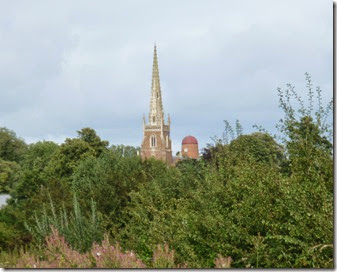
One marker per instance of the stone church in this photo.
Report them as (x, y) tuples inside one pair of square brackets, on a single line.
[(156, 132)]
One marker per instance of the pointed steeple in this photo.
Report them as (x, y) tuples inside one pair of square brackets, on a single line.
[(156, 133), (156, 114)]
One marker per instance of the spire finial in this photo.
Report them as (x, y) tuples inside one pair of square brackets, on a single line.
[(155, 49)]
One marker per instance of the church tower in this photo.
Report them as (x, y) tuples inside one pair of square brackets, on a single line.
[(156, 134)]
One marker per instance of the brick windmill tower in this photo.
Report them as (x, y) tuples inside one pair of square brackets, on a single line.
[(156, 134)]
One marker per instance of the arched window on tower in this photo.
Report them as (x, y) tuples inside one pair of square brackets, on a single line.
[(153, 119), (153, 141)]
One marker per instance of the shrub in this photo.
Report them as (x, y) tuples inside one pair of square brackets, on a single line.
[(80, 231), (223, 262), (109, 256), (163, 257), (58, 254)]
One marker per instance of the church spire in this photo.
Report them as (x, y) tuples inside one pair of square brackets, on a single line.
[(156, 114), (156, 134)]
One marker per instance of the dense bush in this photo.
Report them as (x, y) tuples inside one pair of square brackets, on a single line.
[(10, 173), (12, 148)]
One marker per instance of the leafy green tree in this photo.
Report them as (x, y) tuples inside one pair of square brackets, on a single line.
[(46, 169), (8, 237), (208, 152), (73, 151), (307, 132), (260, 146), (68, 157), (38, 152), (12, 148), (220, 145), (108, 180), (89, 136), (12, 232), (151, 216), (34, 169), (10, 173)]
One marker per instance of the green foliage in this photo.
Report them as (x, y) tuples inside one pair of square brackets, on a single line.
[(12, 148), (34, 169), (154, 208), (79, 231), (68, 157), (38, 155), (46, 169), (12, 233), (10, 173), (307, 132), (8, 237), (8, 259), (111, 176), (255, 147), (261, 147), (89, 136), (70, 154), (211, 152), (163, 257), (242, 205)]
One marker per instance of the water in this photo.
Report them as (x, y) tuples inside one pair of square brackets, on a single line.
[(3, 199)]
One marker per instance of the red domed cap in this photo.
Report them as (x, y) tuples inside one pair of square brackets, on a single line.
[(189, 140)]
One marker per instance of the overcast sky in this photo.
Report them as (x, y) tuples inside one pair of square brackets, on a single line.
[(65, 65)]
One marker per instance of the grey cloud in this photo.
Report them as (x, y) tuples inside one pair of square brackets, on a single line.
[(69, 64)]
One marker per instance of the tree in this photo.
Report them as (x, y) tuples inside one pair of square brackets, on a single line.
[(9, 175), (34, 169), (89, 136), (220, 145), (307, 133), (108, 180), (259, 146), (12, 148), (64, 162)]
